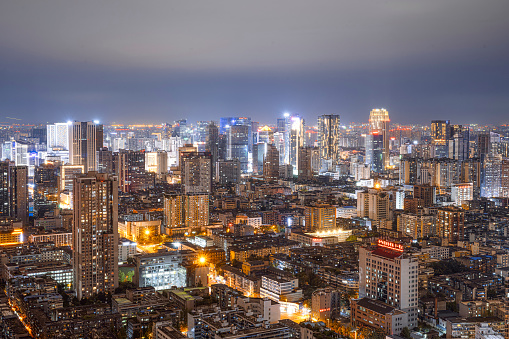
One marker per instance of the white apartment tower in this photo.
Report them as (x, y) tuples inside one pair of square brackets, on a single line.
[(388, 274)]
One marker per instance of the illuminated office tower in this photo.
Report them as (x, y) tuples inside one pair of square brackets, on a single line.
[(259, 153), (156, 162), (196, 172), (46, 188), (265, 134), (450, 223), (226, 122), (279, 142), (84, 139), (212, 144), (320, 217), (295, 141), (4, 188), (328, 137), (377, 140), (491, 176), (238, 145), (95, 234), (440, 135), (271, 164), (504, 173), (375, 151), (459, 143), (388, 274), (58, 136)]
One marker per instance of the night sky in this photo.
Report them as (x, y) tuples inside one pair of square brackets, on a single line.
[(158, 61)]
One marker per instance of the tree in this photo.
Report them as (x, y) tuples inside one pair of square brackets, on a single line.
[(405, 333)]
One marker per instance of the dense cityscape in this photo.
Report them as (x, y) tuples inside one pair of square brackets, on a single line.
[(243, 229), (226, 169)]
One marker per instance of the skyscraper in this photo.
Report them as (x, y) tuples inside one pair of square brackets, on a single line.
[(84, 138), (196, 172), (328, 137), (238, 145), (378, 125), (271, 164), (295, 132), (95, 234), (440, 135), (18, 199), (212, 144), (4, 188), (459, 143), (58, 136)]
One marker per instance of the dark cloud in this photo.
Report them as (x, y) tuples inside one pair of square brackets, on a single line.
[(158, 61)]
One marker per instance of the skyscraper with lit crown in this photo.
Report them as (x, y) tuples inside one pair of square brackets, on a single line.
[(378, 126)]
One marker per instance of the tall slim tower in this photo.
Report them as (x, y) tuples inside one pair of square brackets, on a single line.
[(18, 201), (328, 137), (95, 234), (83, 144), (379, 125)]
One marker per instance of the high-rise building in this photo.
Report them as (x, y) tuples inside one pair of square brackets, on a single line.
[(58, 136), (304, 169), (259, 154), (491, 176), (504, 186), (379, 125), (226, 122), (426, 193), (46, 188), (375, 205), (104, 161), (388, 274), (295, 141), (18, 199), (4, 188), (450, 223), (238, 145), (228, 171), (320, 217), (156, 162), (440, 135), (271, 164), (375, 151), (459, 143), (84, 138), (95, 234), (483, 144), (189, 212), (416, 226), (462, 193), (130, 169), (196, 172), (328, 137), (212, 144)]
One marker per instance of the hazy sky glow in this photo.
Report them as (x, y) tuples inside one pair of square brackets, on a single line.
[(158, 61)]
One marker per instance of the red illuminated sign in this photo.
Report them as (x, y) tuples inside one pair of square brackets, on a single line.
[(390, 245)]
